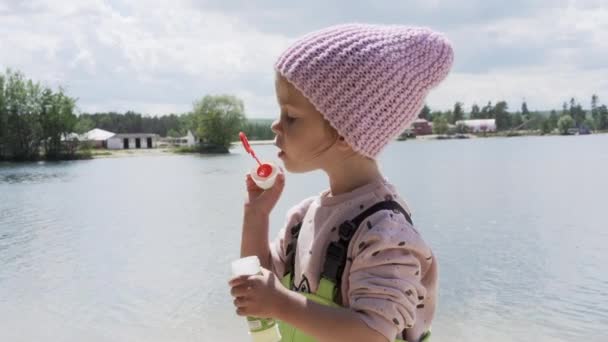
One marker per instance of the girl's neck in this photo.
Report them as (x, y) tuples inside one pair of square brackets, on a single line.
[(352, 173)]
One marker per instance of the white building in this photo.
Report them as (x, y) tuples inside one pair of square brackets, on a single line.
[(188, 140), (132, 141), (97, 137), (479, 125)]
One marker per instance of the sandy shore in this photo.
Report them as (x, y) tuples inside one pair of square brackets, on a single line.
[(131, 153)]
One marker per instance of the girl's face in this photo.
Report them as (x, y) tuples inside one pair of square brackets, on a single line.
[(306, 139)]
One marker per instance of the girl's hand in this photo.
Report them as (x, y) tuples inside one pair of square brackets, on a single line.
[(260, 296), (263, 201)]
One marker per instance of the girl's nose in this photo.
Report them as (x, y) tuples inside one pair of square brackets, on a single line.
[(276, 126)]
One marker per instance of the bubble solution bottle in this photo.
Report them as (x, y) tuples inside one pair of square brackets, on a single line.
[(260, 329)]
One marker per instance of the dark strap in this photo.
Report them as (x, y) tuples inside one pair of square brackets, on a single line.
[(384, 205), (290, 252), (336, 256)]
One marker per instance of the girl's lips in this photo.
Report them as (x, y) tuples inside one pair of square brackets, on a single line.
[(281, 152)]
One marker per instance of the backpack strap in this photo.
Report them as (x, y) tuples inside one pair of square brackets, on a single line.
[(336, 256), (290, 253)]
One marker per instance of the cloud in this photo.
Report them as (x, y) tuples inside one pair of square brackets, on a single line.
[(160, 53), (545, 59), (542, 88), (158, 56)]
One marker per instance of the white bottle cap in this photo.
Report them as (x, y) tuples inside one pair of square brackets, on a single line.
[(246, 266), (265, 182), (269, 335)]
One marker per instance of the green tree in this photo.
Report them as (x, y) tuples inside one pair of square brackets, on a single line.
[(517, 121), (132, 122), (174, 133), (546, 127), (594, 101), (219, 119), (535, 123), (258, 129), (602, 117), (440, 125), (599, 114), (22, 106), (552, 121), (84, 124), (3, 119), (577, 113), (503, 118), (449, 116), (487, 112), (475, 112), (462, 128), (57, 120), (425, 113), (435, 114), (565, 109), (565, 123), (33, 119), (458, 113), (525, 113), (590, 124)]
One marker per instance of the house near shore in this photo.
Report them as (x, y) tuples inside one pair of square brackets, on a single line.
[(189, 140), (479, 125), (126, 141), (100, 138), (96, 137), (422, 127)]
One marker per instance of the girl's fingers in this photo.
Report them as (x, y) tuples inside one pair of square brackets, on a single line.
[(241, 302), (240, 291), (236, 281), (251, 186), (276, 189)]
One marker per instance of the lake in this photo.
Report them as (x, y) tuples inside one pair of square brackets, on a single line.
[(139, 248)]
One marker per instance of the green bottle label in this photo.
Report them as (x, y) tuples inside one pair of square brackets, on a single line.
[(260, 324)]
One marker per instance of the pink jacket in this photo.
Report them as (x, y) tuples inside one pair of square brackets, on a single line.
[(390, 277)]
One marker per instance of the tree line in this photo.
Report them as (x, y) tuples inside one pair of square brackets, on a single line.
[(37, 121), (34, 120), (572, 115), (173, 125)]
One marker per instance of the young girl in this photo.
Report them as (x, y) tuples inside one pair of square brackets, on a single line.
[(348, 265)]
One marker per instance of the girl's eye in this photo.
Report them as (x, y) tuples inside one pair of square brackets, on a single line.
[(289, 119)]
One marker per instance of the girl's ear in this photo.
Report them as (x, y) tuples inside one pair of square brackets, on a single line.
[(341, 144)]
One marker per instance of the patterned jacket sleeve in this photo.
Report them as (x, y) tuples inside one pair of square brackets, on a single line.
[(279, 246), (389, 259)]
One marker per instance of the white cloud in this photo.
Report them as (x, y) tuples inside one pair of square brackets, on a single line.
[(160, 56), (541, 87), (98, 52), (560, 53)]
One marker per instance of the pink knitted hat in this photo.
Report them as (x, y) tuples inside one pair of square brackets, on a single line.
[(369, 81)]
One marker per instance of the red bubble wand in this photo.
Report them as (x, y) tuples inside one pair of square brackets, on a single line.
[(264, 170)]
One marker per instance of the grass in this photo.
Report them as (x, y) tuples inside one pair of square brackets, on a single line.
[(185, 149)]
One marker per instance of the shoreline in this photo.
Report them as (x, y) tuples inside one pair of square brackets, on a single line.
[(105, 153)]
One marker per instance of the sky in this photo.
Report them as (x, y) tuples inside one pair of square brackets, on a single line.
[(158, 57)]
